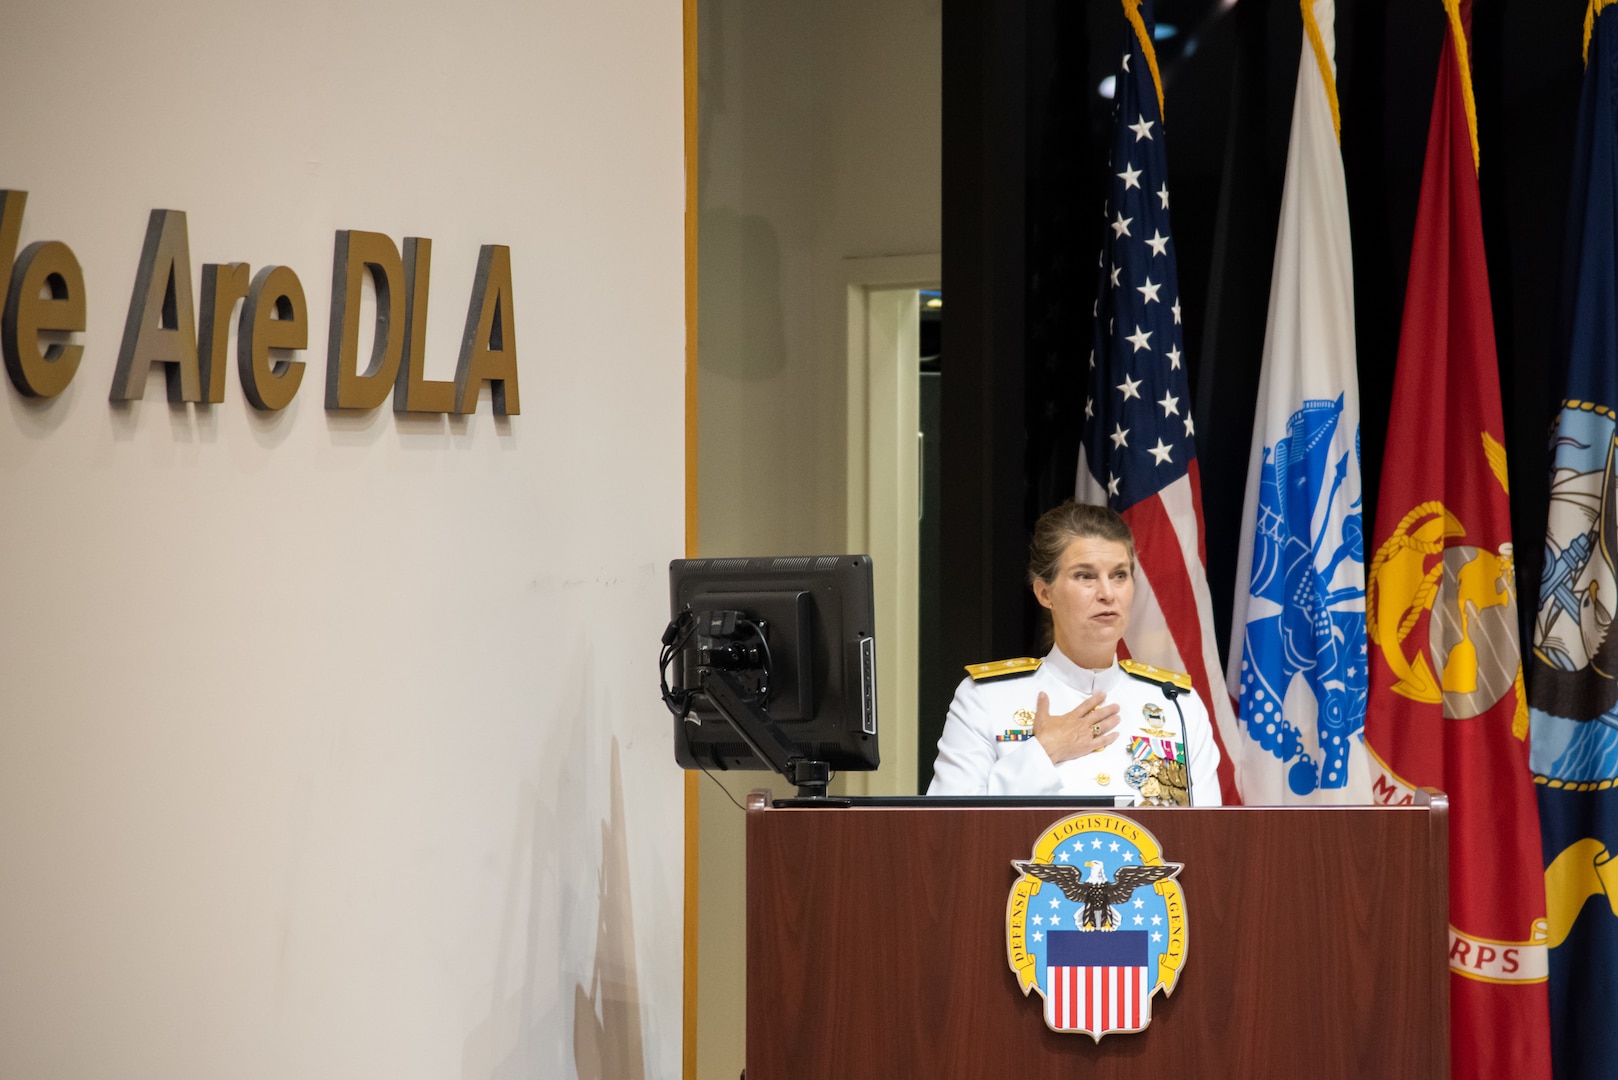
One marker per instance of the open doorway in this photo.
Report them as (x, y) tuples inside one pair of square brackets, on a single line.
[(887, 449)]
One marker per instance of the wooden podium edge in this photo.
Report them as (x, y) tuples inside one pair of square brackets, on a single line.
[(1437, 804)]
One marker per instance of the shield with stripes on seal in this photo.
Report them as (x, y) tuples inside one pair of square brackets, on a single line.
[(1096, 924)]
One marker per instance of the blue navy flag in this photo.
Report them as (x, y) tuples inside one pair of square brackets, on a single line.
[(1572, 694), (1139, 450)]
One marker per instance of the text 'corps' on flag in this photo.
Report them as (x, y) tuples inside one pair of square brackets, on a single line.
[(1447, 707), (1139, 449)]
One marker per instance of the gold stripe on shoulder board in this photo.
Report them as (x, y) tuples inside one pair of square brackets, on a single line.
[(1155, 674), (994, 669)]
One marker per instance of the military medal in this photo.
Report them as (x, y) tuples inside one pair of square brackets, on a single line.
[(1024, 730)]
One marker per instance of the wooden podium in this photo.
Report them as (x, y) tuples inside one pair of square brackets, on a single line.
[(876, 946)]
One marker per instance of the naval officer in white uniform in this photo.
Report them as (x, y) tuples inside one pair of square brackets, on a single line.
[(1079, 722)]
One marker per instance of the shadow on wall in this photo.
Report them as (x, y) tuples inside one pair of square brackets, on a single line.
[(518, 1039), (739, 296), (606, 1014)]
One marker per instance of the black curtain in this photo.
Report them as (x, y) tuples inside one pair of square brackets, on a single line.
[(1024, 170)]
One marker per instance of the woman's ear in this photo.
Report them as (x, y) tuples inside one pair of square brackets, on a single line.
[(1042, 592)]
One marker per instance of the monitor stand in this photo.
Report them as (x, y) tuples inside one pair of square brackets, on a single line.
[(763, 736)]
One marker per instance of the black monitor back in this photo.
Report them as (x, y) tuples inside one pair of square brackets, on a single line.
[(819, 618)]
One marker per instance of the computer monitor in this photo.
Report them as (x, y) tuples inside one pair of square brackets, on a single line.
[(770, 663)]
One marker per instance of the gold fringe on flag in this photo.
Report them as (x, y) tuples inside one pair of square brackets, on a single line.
[(1132, 13), (1590, 14), (1464, 61), (1318, 43)]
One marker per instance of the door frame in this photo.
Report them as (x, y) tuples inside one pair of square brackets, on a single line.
[(884, 486)]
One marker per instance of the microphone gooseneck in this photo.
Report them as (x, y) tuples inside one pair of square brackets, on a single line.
[(1173, 693)]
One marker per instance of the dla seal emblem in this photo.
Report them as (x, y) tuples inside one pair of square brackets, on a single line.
[(1096, 924)]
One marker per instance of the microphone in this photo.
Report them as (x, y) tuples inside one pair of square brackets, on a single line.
[(1173, 692)]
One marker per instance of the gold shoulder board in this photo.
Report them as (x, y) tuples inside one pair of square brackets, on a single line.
[(1157, 675), (995, 669)]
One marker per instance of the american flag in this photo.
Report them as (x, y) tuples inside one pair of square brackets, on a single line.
[(1097, 982), (1139, 450)]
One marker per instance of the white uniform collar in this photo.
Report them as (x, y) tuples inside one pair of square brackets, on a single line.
[(1082, 679)]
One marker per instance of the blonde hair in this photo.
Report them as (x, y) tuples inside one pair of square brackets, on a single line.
[(1059, 527)]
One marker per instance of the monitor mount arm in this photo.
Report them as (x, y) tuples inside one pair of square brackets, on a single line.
[(763, 735)]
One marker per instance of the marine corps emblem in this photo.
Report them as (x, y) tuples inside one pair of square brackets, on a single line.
[(1096, 924), (1467, 659)]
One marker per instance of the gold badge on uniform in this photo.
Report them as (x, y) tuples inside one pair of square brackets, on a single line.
[(1024, 730)]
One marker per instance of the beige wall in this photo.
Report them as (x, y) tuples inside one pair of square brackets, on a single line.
[(328, 747), (819, 142)]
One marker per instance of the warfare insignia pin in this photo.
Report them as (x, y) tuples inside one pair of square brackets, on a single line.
[(1107, 936), (1153, 713), (1024, 717)]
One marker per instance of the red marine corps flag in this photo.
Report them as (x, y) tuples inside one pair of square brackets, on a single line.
[(1447, 707)]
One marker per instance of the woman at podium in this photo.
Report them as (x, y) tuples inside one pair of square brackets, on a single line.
[(1079, 721)]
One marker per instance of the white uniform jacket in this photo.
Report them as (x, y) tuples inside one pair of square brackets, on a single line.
[(988, 746)]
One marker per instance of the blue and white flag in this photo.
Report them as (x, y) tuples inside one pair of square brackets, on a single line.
[(1297, 665), (1573, 669)]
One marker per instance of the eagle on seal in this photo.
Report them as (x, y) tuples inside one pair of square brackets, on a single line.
[(1095, 892)]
